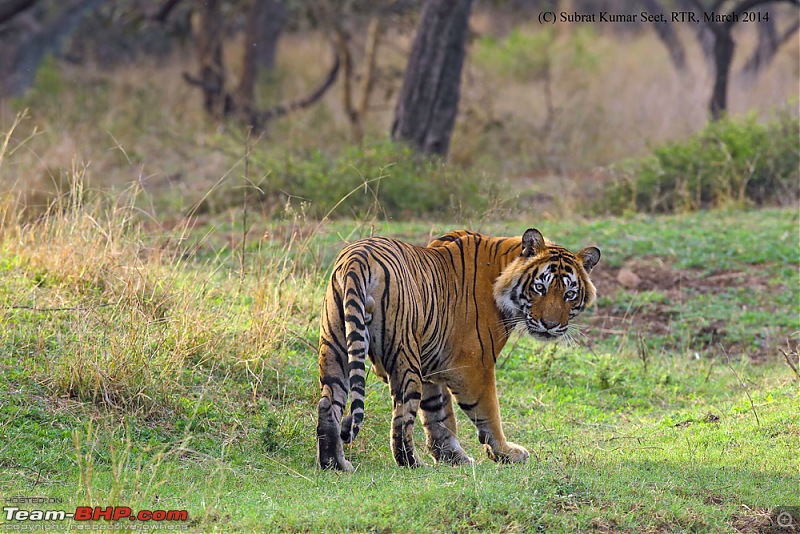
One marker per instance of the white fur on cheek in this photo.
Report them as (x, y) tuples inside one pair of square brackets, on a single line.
[(505, 304), (505, 285)]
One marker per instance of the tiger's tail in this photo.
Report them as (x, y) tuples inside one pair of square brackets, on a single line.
[(356, 317)]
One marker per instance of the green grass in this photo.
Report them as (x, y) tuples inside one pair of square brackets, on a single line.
[(138, 375)]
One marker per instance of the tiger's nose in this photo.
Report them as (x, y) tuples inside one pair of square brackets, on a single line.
[(549, 324)]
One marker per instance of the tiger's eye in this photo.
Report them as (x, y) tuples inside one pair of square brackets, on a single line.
[(569, 295), (539, 288)]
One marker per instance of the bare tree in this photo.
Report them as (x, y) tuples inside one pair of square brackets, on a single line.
[(355, 100), (428, 102), (713, 24), (207, 34), (212, 78), (270, 25), (721, 27)]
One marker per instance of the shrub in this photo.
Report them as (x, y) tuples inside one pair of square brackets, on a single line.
[(382, 178), (732, 160)]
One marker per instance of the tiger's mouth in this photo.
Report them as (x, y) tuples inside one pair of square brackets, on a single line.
[(544, 335), (539, 330)]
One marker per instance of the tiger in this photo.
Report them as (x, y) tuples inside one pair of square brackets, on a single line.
[(432, 321)]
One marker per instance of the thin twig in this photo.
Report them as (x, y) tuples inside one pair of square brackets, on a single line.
[(291, 471), (73, 308), (744, 386), (299, 337), (789, 361), (243, 249)]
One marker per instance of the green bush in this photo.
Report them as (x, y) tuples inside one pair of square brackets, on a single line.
[(381, 178), (730, 161)]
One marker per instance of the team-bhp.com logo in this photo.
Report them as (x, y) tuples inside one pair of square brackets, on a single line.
[(88, 513)]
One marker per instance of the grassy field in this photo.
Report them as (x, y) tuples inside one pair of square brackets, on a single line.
[(177, 370), (161, 278)]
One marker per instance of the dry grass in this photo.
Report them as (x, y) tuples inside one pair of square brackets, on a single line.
[(124, 319)]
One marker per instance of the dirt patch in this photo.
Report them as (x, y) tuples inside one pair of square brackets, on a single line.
[(647, 315), (656, 275)]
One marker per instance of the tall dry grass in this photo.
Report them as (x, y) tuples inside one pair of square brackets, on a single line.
[(131, 319)]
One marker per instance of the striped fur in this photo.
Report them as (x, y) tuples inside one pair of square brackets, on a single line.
[(432, 322)]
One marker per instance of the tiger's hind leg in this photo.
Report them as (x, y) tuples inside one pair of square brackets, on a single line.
[(439, 421), (405, 384), (330, 451)]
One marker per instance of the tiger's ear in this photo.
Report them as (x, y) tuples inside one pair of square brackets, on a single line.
[(532, 242), (589, 257)]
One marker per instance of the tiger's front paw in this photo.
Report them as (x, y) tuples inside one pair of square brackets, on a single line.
[(337, 464), (512, 454), (453, 457), (449, 452)]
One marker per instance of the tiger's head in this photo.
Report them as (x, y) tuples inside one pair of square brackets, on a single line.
[(546, 286)]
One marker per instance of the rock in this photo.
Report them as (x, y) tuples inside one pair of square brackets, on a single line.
[(628, 278)]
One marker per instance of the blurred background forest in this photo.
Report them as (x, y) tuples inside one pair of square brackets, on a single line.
[(293, 105)]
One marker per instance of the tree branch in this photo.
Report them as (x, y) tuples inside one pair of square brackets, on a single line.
[(162, 14), (666, 33), (12, 8), (747, 5), (762, 56), (260, 118)]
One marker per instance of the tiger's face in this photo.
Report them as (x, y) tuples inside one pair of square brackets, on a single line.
[(546, 287)]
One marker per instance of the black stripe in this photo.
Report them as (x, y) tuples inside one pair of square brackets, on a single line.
[(403, 396), (354, 336), (333, 381), (430, 422), (355, 319), (432, 404), (467, 406)]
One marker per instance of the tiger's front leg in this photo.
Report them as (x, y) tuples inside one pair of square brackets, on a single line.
[(483, 410)]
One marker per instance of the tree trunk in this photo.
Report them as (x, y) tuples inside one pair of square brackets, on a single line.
[(245, 91), (271, 22), (208, 48), (426, 109), (723, 56)]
